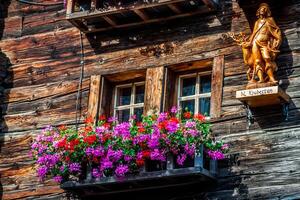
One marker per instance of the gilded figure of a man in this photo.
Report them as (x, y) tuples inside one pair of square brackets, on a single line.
[(261, 49)]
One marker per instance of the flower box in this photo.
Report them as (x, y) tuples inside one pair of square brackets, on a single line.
[(167, 145)]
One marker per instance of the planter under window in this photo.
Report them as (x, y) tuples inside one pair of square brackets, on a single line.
[(155, 175)]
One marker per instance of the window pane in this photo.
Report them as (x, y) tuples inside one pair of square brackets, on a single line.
[(188, 105), (124, 95), (123, 115), (204, 107), (138, 112), (205, 84), (188, 86), (139, 94)]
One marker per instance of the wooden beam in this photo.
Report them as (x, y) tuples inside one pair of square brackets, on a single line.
[(109, 20), (70, 7), (211, 4), (79, 24), (174, 8), (142, 15), (154, 90), (199, 11), (94, 4), (217, 86), (94, 96), (97, 13)]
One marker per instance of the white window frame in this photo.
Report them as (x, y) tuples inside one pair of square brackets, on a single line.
[(132, 105), (197, 95)]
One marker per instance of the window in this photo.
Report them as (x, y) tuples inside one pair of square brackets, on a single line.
[(129, 101), (194, 92)]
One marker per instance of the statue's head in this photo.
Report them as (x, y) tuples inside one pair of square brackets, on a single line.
[(263, 10)]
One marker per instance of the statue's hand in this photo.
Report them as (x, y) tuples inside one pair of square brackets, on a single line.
[(246, 44)]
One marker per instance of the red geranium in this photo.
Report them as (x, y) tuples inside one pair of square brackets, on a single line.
[(146, 154), (162, 125), (140, 162), (62, 127), (61, 143), (187, 115), (200, 117), (102, 118), (89, 120), (90, 139)]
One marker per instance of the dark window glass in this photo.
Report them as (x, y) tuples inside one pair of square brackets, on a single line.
[(188, 105), (205, 84), (138, 112), (139, 94), (188, 86), (123, 115), (204, 106), (124, 96)]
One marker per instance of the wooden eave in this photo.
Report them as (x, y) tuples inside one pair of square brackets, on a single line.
[(99, 19)]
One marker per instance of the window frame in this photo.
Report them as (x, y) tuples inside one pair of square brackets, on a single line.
[(197, 94), (132, 104)]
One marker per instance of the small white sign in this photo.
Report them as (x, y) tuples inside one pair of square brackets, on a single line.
[(257, 92)]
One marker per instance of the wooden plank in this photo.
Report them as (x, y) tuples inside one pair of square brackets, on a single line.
[(153, 90), (113, 10), (109, 20), (201, 10), (70, 7), (211, 4), (94, 4), (94, 96), (174, 8), (141, 14), (217, 86)]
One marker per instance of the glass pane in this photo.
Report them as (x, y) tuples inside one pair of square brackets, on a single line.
[(138, 112), (139, 94), (124, 96), (188, 105), (205, 84), (188, 86), (123, 115), (204, 106)]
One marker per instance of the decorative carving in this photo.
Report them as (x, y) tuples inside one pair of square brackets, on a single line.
[(158, 50), (261, 49)]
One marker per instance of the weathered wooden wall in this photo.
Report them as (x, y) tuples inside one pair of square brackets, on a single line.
[(40, 68)]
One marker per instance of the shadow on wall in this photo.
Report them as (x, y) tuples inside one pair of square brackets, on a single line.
[(4, 65), (176, 31)]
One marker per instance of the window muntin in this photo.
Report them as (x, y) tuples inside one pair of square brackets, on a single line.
[(129, 100), (194, 92)]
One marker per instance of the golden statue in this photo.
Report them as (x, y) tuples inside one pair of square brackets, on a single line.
[(261, 48)]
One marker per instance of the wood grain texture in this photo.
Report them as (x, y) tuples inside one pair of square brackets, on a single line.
[(153, 90), (94, 96)]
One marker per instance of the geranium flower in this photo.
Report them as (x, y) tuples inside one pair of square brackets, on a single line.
[(200, 117), (91, 139), (187, 115), (121, 170), (89, 120)]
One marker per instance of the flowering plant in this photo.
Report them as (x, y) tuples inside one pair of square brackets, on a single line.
[(110, 148)]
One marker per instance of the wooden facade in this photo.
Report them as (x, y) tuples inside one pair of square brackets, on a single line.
[(40, 67)]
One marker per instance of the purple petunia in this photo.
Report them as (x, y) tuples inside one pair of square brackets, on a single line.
[(96, 173), (180, 159), (121, 170), (42, 172), (122, 130), (215, 155), (174, 109), (74, 167), (157, 155), (58, 179)]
